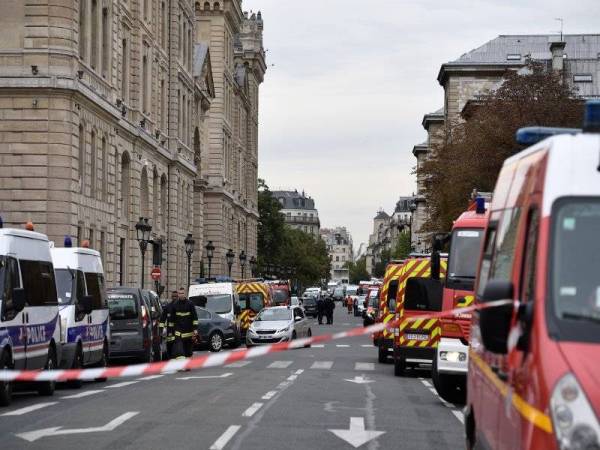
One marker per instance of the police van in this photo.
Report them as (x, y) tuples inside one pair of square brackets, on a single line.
[(29, 319), (83, 307)]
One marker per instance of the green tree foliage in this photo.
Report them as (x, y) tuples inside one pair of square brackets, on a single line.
[(470, 153), (358, 270), (381, 263), (271, 226), (402, 249)]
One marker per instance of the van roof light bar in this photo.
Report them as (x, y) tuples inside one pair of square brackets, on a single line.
[(480, 205), (591, 118), (533, 135)]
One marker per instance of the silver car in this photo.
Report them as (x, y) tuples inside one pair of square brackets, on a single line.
[(278, 324)]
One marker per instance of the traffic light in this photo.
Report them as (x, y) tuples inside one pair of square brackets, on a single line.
[(157, 252)]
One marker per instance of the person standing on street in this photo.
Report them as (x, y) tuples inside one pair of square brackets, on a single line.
[(166, 324), (185, 323), (349, 304), (320, 309), (329, 307)]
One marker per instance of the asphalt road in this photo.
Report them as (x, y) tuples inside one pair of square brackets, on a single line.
[(289, 400)]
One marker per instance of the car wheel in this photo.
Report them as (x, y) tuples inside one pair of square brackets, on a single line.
[(103, 363), (5, 386), (76, 365), (308, 335), (382, 354), (294, 336), (215, 342), (399, 366), (46, 388)]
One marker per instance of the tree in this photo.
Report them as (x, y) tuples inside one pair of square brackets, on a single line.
[(403, 246), (381, 263), (358, 270), (470, 153), (271, 226)]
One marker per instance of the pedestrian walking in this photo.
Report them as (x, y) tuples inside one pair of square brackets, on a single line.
[(329, 307), (185, 323), (166, 324), (349, 304), (320, 309)]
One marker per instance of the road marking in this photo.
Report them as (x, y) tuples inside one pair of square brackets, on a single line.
[(206, 377), (238, 364), (150, 377), (356, 435), (57, 431), (225, 437), (366, 345), (426, 383), (83, 394), (123, 384), (252, 410), (318, 346), (292, 377), (360, 380), (433, 391), (364, 366), (280, 364), (459, 415), (28, 409), (269, 395), (299, 372), (323, 365), (342, 346)]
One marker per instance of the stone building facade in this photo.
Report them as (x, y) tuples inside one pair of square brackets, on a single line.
[(299, 211), (340, 249), (105, 119)]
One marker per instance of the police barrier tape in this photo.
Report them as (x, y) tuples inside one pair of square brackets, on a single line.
[(221, 358)]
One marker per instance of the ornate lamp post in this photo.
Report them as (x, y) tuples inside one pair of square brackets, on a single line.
[(230, 256), (413, 208), (189, 250), (143, 230), (243, 259), (210, 252)]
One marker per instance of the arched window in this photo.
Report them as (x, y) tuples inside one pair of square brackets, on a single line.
[(81, 158), (104, 169), (197, 150), (206, 6), (93, 165), (163, 202), (144, 202), (155, 197), (125, 185), (216, 6)]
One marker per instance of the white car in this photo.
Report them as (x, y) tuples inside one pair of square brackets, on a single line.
[(278, 324)]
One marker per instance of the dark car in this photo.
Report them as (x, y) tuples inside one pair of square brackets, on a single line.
[(159, 346), (214, 331), (310, 306), (131, 331)]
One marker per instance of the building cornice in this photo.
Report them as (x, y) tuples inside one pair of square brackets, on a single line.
[(419, 149), (467, 69)]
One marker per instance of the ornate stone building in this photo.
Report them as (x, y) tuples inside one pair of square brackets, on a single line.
[(105, 119)]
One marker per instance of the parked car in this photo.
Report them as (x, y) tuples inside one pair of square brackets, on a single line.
[(370, 315), (310, 306), (278, 324), (359, 305), (159, 345), (214, 332), (295, 301), (130, 324)]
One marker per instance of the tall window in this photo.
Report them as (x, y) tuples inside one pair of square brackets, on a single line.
[(165, 23), (105, 44), (144, 202), (93, 166), (104, 151), (95, 62), (82, 29), (155, 197), (163, 104), (144, 82), (190, 49), (163, 202), (81, 157), (125, 165), (125, 69)]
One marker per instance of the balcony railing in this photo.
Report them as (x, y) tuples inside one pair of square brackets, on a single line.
[(302, 220)]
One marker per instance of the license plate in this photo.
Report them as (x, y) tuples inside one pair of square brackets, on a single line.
[(417, 337)]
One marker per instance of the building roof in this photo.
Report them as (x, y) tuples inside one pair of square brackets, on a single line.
[(404, 204), (382, 215), (436, 116), (294, 200), (423, 147), (514, 50)]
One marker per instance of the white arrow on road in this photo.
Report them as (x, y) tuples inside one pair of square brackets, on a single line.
[(225, 375), (32, 436), (357, 435), (360, 380)]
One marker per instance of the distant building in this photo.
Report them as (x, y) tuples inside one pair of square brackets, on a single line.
[(339, 246), (299, 211)]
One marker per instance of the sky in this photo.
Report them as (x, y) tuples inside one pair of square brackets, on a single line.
[(349, 81)]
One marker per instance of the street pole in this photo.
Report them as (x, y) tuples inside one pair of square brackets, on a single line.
[(189, 258)]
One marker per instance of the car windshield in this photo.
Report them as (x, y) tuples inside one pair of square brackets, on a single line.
[(252, 301), (271, 315), (122, 306), (574, 270), (65, 281), (464, 253), (309, 301), (351, 290), (218, 303), (280, 296)]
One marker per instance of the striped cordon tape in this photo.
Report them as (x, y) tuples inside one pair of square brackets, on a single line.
[(221, 358)]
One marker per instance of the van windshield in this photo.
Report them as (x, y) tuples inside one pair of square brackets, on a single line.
[(218, 304), (65, 285), (253, 301), (575, 286), (464, 253), (122, 306), (280, 296)]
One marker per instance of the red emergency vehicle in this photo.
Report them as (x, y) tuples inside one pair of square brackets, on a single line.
[(280, 292), (534, 375)]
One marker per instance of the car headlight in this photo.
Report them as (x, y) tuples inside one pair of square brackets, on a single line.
[(63, 330), (575, 424), (283, 330), (453, 356)]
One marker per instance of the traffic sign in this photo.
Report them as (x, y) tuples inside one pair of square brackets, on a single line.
[(155, 274)]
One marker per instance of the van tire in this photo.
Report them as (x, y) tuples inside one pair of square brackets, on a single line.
[(382, 353), (5, 386), (46, 388), (103, 363), (76, 365), (399, 366)]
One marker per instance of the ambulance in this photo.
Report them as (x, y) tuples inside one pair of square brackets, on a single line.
[(534, 378), (254, 295), (83, 307), (384, 340), (29, 318)]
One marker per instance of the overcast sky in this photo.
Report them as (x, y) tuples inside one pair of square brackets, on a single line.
[(341, 108)]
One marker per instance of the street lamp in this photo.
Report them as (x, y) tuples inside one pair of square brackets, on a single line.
[(143, 229), (413, 208), (229, 256), (189, 249), (210, 252), (253, 264), (243, 258)]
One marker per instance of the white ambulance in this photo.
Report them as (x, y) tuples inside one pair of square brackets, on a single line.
[(83, 307), (29, 319)]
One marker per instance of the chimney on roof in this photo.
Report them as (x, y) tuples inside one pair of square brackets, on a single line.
[(558, 50)]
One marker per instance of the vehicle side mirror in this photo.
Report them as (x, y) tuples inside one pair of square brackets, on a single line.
[(297, 319), (86, 304), (494, 323), (18, 299)]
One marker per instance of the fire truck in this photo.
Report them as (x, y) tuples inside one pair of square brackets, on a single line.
[(451, 362), (281, 293), (254, 295)]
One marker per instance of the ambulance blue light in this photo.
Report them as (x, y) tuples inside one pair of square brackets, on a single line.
[(533, 135), (591, 118), (68, 243), (480, 205)]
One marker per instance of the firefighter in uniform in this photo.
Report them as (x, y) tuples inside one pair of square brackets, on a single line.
[(166, 323), (185, 323)]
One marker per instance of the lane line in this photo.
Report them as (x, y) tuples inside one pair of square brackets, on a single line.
[(322, 365), (342, 346), (364, 366), (123, 384), (426, 383), (28, 409), (318, 346), (150, 377), (459, 416), (367, 346), (292, 377), (225, 437), (83, 394), (252, 410), (280, 364), (269, 395), (238, 364), (299, 372)]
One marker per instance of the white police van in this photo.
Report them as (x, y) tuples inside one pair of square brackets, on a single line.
[(83, 307), (29, 319)]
